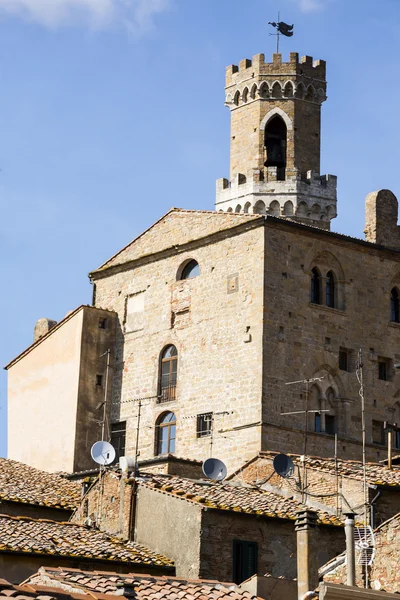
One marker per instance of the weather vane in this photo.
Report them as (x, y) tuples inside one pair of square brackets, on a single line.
[(282, 29)]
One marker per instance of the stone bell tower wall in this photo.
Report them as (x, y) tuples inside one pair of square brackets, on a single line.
[(256, 90)]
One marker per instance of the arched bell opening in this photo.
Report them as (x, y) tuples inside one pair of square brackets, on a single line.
[(275, 142)]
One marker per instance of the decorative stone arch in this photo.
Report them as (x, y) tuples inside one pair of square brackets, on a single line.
[(263, 90), (321, 94), (330, 212), (311, 93), (276, 90), (259, 208), (316, 211), (245, 95), (274, 208), (247, 207), (238, 208), (300, 91), (230, 209), (302, 209), (236, 98), (330, 380), (288, 89), (288, 208), (228, 99), (253, 91), (273, 113)]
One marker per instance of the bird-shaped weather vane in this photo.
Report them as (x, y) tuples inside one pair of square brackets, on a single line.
[(282, 29)]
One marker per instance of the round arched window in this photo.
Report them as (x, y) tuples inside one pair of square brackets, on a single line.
[(166, 433), (190, 270), (168, 374)]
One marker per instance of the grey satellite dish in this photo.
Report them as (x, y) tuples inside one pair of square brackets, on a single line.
[(214, 469), (103, 453), (283, 465)]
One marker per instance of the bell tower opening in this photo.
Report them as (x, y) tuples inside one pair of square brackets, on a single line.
[(275, 142)]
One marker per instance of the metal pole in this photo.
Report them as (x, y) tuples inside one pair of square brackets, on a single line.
[(337, 475), (390, 433), (350, 550), (212, 434), (278, 36), (137, 437), (105, 396), (303, 487)]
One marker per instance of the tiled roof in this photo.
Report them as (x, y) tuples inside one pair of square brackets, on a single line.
[(45, 537), (21, 483), (29, 592), (377, 474), (142, 587), (234, 497)]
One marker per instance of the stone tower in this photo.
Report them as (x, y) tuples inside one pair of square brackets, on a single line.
[(275, 141)]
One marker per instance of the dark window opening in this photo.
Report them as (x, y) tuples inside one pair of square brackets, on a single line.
[(378, 433), (244, 560), (168, 374), (397, 439), (330, 290), (99, 380), (330, 424), (102, 323), (190, 270), (315, 286), (166, 434), (317, 423), (343, 360), (275, 144), (384, 369), (118, 439), (204, 424), (394, 306)]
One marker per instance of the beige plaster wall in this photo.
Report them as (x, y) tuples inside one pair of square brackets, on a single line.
[(42, 400)]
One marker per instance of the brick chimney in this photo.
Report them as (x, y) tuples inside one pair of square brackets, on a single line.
[(307, 562)]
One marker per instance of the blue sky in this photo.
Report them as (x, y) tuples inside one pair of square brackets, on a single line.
[(112, 111)]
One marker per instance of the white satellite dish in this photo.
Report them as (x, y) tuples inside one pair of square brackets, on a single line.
[(213, 468), (103, 453)]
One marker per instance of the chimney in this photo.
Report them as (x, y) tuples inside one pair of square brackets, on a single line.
[(307, 562), (350, 550), (42, 327)]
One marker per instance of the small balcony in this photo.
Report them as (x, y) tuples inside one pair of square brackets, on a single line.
[(167, 394)]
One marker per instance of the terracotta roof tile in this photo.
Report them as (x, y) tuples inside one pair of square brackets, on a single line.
[(141, 587), (377, 474), (234, 497), (45, 537), (21, 483)]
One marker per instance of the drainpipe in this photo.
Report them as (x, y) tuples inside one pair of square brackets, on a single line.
[(350, 549), (307, 561)]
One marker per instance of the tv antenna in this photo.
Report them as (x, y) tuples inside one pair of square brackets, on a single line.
[(305, 412), (365, 545), (214, 469)]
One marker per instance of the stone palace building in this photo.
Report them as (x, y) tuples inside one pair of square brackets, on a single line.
[(198, 325)]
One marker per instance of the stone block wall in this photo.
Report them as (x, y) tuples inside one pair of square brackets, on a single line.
[(215, 322)]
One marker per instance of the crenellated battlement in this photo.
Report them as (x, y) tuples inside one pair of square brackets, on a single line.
[(248, 69)]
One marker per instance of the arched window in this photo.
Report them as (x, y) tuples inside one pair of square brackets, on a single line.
[(275, 144), (168, 374), (330, 290), (165, 433), (315, 286), (394, 306), (189, 270)]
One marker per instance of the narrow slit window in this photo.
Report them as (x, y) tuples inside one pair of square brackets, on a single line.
[(315, 286)]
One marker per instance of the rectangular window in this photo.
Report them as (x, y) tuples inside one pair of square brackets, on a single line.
[(384, 368), (118, 439), (343, 360), (102, 323), (99, 380), (317, 427), (204, 425), (330, 424), (378, 433), (397, 439), (244, 560)]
